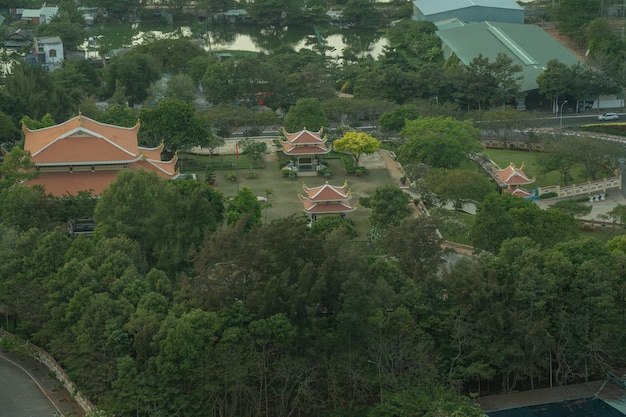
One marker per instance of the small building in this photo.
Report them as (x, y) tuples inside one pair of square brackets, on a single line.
[(304, 148), (511, 179), (82, 154), (19, 39), (49, 52), (506, 11), (38, 16), (326, 199)]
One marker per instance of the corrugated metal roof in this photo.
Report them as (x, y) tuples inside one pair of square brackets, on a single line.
[(590, 407), (429, 7), (527, 45)]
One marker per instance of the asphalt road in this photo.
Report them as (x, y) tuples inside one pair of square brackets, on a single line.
[(21, 395)]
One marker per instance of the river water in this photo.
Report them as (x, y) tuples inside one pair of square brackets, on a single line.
[(361, 42)]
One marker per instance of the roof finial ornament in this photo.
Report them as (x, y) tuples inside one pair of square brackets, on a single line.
[(80, 118)]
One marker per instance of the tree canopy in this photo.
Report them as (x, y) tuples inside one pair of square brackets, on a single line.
[(438, 142)]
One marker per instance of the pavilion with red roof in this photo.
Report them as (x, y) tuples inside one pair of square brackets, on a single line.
[(511, 179), (304, 148), (326, 199), (82, 154)]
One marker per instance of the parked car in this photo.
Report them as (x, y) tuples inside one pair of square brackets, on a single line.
[(608, 116)]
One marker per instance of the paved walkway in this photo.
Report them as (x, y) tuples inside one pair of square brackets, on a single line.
[(605, 390), (47, 392)]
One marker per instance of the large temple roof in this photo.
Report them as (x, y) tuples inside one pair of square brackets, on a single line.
[(82, 154)]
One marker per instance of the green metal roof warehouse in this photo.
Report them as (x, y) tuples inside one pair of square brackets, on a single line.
[(528, 45)]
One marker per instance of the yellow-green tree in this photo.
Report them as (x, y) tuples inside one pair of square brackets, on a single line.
[(357, 144)]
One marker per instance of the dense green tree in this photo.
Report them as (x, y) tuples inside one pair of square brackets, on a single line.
[(417, 39), (553, 82), (308, 114), (276, 12), (573, 16), (438, 142), (9, 134), (416, 245), (389, 205), (135, 72), (175, 124), (395, 119), (360, 13), (458, 186), (493, 223), (172, 55), (244, 206)]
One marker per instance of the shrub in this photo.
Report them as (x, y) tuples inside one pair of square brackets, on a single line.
[(551, 194), (348, 164)]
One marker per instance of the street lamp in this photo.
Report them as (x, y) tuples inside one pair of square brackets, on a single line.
[(561, 120)]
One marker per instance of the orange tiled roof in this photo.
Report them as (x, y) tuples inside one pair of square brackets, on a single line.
[(290, 149), (315, 207), (81, 142), (512, 176), (41, 141), (327, 192), (304, 137), (61, 183)]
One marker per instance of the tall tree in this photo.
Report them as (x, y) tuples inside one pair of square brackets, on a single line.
[(357, 144), (308, 113), (176, 124), (438, 142), (135, 72)]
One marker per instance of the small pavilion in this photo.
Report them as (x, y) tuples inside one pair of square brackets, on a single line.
[(304, 148), (512, 179), (326, 199)]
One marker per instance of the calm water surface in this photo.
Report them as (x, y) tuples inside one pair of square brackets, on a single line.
[(253, 38)]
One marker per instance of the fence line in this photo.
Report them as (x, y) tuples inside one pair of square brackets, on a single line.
[(46, 359), (588, 187)]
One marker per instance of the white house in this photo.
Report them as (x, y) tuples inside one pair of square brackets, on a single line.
[(38, 16), (49, 52)]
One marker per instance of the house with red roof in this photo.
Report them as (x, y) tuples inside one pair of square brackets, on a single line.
[(512, 179), (305, 148), (82, 154), (326, 199)]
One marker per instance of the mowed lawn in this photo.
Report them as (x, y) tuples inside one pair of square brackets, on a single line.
[(283, 198), (504, 157)]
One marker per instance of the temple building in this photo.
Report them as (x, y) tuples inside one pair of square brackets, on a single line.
[(326, 199), (82, 154), (304, 148), (511, 180)]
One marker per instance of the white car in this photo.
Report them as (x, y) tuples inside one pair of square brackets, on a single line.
[(608, 116)]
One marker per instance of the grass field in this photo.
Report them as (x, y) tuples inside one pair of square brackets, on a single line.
[(283, 199), (504, 157)]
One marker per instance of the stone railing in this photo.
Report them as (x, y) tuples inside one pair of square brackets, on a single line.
[(586, 188), (46, 359)]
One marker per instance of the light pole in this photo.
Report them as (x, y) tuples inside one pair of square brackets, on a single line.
[(561, 120)]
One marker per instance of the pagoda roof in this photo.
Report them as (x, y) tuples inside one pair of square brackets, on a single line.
[(519, 192), (290, 149), (315, 207), (512, 176), (328, 192), (82, 139), (326, 199), (304, 137)]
